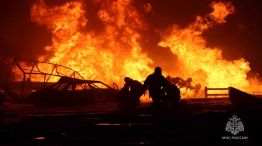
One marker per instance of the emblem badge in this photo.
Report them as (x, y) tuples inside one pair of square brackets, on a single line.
[(234, 125)]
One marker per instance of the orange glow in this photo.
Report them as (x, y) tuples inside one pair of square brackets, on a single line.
[(115, 51), (108, 56), (206, 65), (221, 11)]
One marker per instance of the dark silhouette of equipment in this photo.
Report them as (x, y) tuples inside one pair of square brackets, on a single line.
[(243, 100)]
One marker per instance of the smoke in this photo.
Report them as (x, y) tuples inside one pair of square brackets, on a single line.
[(19, 36)]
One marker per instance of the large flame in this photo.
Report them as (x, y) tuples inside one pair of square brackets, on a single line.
[(206, 65), (108, 56), (115, 51)]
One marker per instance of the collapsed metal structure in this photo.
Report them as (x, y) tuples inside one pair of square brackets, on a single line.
[(22, 70), (33, 67)]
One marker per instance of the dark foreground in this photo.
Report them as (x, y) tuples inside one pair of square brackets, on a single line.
[(193, 122)]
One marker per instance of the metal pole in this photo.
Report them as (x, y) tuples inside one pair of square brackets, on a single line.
[(206, 92)]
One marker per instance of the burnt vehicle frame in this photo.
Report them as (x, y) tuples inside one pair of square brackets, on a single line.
[(27, 90), (71, 91)]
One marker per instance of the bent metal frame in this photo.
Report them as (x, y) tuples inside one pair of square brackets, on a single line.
[(29, 68)]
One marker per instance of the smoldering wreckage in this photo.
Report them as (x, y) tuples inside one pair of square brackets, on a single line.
[(68, 90)]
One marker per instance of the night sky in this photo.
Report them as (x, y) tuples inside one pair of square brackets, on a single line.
[(239, 37)]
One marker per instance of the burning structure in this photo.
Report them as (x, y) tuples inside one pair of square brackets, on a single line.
[(117, 49)]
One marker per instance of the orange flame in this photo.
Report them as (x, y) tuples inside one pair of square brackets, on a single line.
[(110, 55), (206, 65), (115, 51)]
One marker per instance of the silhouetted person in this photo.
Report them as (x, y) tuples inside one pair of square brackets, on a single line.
[(133, 86), (131, 92), (156, 84), (172, 96)]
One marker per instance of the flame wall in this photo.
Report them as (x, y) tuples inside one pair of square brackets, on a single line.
[(115, 51)]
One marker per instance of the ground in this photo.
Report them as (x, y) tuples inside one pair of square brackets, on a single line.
[(192, 122)]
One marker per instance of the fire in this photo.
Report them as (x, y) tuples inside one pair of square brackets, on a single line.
[(206, 65), (115, 51), (108, 56), (221, 11)]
